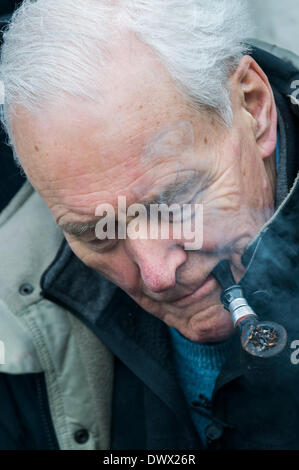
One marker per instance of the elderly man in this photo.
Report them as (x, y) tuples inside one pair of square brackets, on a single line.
[(147, 102)]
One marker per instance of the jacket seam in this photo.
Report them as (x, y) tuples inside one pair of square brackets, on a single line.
[(57, 397), (43, 414)]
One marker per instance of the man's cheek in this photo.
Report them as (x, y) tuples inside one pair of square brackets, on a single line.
[(227, 232), (116, 267), (218, 237)]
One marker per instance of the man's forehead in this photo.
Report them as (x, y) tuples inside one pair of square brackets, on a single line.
[(171, 139), (72, 145)]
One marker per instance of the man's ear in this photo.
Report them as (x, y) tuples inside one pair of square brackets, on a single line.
[(257, 98)]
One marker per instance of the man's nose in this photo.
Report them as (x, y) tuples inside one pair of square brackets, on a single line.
[(158, 261)]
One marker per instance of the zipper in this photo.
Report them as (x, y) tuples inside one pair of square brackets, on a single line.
[(45, 415)]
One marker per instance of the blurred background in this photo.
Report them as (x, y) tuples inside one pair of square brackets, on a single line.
[(277, 22)]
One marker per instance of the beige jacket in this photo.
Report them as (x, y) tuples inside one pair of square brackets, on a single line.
[(38, 335)]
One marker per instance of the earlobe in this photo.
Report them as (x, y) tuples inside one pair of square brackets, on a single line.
[(257, 98)]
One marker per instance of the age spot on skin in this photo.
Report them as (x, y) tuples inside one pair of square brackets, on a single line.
[(205, 140), (36, 148)]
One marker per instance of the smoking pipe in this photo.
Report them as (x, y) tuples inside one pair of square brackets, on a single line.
[(258, 338)]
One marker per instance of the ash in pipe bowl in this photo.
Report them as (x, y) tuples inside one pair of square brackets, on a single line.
[(262, 338)]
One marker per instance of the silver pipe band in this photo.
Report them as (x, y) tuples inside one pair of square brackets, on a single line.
[(239, 308)]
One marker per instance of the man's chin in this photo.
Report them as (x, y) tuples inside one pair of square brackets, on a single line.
[(214, 325)]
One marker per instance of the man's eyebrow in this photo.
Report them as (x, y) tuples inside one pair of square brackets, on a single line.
[(166, 196), (173, 190), (78, 229)]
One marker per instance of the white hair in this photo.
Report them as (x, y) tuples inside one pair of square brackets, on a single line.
[(54, 48)]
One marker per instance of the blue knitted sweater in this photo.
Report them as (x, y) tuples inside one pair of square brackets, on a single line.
[(198, 366)]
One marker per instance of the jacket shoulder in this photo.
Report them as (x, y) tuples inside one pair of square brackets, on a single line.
[(283, 54)]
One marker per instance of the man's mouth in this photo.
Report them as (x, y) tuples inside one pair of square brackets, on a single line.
[(198, 294)]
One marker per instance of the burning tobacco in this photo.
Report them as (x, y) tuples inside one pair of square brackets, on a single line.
[(262, 337)]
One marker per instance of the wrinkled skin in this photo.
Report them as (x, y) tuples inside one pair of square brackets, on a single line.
[(79, 155)]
